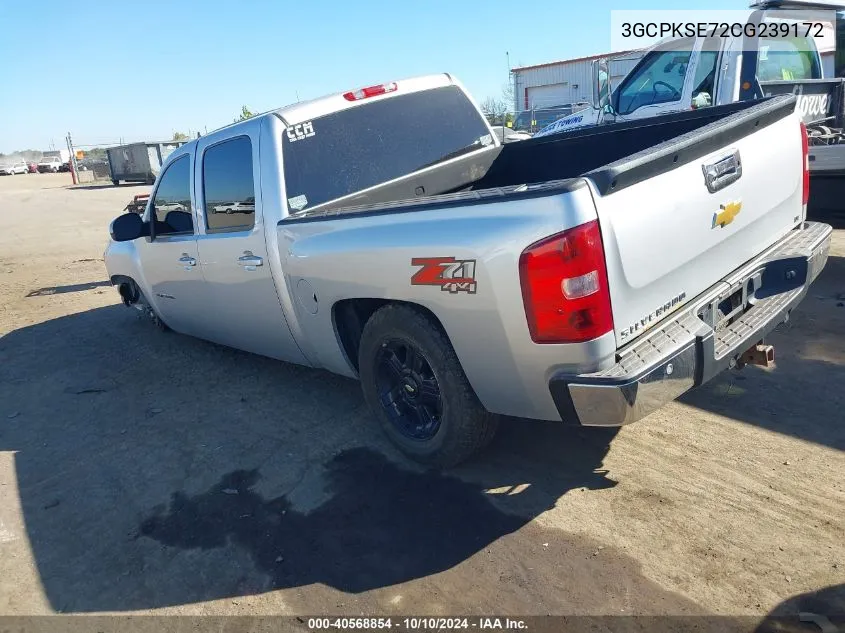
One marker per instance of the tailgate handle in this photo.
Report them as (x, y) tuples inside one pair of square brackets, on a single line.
[(719, 174)]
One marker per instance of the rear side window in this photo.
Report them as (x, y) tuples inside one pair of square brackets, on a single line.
[(789, 59), (704, 81), (229, 186), (172, 203), (369, 144)]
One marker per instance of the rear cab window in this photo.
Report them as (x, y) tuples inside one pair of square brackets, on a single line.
[(372, 143)]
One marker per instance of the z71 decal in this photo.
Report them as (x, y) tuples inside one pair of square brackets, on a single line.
[(452, 275)]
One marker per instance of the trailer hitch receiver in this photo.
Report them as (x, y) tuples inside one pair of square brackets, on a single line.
[(760, 354)]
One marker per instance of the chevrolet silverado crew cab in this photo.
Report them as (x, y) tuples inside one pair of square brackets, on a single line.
[(384, 234)]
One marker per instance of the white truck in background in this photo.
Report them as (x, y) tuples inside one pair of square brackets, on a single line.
[(693, 73), (51, 164), (62, 154), (690, 73)]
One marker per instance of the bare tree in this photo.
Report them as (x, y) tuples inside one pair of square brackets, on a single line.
[(494, 109), (507, 94)]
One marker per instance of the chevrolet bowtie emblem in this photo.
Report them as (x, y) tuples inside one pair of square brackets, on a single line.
[(727, 214)]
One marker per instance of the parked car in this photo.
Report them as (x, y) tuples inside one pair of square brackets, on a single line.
[(587, 277), (509, 135), (538, 118), (51, 164), (10, 169), (234, 207), (138, 204)]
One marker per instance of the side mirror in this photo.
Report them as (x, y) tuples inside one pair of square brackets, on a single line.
[(128, 227), (600, 84)]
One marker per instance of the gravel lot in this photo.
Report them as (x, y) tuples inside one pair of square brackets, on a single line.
[(144, 471)]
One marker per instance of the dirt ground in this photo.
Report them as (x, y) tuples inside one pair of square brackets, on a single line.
[(143, 471)]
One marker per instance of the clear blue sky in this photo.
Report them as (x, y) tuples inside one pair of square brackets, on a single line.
[(141, 70)]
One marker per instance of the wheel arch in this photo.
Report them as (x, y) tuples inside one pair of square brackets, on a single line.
[(349, 316), (128, 288)]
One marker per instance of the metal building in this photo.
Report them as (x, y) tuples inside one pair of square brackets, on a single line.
[(564, 82)]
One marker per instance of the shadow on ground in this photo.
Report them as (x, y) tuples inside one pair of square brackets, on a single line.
[(826, 195), (59, 290), (156, 470), (795, 397), (822, 610)]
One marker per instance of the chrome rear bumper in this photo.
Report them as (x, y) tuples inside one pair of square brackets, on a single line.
[(685, 351)]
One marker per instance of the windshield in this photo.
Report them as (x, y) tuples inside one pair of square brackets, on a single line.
[(658, 78), (366, 145)]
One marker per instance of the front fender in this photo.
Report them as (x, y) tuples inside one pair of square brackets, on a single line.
[(122, 260)]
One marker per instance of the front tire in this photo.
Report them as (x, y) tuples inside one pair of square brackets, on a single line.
[(414, 383)]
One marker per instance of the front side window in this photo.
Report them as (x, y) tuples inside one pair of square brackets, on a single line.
[(171, 206), (658, 79), (229, 186)]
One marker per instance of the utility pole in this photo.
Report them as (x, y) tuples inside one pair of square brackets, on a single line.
[(510, 83), (73, 167)]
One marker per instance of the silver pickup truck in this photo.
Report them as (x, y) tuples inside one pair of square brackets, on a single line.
[(385, 234)]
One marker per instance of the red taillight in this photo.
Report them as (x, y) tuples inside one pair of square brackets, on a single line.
[(805, 160), (370, 91), (564, 286)]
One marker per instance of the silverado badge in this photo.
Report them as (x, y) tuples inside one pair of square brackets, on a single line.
[(727, 214)]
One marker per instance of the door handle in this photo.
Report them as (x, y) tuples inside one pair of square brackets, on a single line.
[(250, 261), (186, 260)]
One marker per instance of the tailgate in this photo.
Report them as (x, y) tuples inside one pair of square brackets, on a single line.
[(669, 235)]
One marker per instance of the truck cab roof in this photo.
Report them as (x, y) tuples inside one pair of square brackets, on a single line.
[(303, 111)]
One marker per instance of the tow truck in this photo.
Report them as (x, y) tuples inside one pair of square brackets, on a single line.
[(684, 74)]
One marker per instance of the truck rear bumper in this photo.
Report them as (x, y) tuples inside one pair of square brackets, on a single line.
[(686, 350)]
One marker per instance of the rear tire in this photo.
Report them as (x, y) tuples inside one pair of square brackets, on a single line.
[(115, 182), (414, 383)]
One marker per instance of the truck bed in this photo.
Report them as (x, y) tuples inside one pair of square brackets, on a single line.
[(642, 183), (612, 156)]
